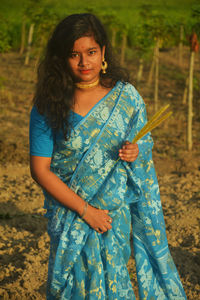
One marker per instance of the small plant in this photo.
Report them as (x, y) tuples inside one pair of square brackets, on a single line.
[(5, 41)]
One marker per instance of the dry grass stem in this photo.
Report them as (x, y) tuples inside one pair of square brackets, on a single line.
[(151, 124)]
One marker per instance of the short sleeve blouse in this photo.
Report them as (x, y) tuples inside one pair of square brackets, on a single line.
[(41, 138)]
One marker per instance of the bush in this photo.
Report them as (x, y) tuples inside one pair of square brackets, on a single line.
[(5, 39)]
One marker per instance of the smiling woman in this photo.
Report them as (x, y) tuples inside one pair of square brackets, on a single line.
[(85, 64), (86, 60), (85, 113)]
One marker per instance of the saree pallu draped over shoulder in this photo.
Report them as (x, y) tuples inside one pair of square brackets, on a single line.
[(84, 264)]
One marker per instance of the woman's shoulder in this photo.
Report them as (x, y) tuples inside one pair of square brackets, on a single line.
[(37, 119), (36, 115), (130, 89), (132, 94), (34, 112)]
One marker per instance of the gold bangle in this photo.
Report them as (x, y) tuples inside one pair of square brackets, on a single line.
[(84, 210)]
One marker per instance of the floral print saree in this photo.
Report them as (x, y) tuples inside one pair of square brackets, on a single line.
[(84, 264)]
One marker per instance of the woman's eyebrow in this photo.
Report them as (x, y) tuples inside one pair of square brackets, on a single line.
[(92, 48)]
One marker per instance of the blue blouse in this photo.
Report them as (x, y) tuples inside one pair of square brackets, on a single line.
[(41, 138)]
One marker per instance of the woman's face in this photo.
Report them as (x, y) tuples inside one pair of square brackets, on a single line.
[(85, 59)]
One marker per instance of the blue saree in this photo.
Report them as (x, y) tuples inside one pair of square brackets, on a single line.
[(84, 264)]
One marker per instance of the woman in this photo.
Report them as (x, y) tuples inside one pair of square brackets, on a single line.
[(84, 111)]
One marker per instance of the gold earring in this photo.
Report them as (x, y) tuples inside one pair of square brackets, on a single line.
[(104, 66)]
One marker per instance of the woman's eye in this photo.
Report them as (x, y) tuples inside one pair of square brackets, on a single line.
[(74, 55), (92, 52)]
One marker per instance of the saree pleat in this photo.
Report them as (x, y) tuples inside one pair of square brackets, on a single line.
[(84, 264)]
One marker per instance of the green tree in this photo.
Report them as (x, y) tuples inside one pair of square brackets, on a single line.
[(5, 40), (158, 29), (111, 21), (41, 19), (119, 31), (46, 22), (140, 40)]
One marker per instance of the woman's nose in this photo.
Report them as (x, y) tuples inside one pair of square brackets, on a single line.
[(83, 60)]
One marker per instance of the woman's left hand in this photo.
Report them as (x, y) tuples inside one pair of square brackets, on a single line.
[(129, 152)]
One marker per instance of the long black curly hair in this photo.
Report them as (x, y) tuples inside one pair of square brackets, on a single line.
[(55, 86)]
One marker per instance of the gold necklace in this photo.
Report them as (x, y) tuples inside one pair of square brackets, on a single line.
[(87, 86)]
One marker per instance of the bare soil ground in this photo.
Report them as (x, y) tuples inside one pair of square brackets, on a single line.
[(24, 243)]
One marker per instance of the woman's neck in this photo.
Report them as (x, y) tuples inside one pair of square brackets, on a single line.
[(85, 99), (86, 86)]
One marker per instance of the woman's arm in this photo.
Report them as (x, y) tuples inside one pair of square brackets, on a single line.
[(40, 170)]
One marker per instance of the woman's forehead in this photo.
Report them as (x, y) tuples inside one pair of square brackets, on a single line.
[(85, 42)]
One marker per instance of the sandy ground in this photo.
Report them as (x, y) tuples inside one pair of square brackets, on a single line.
[(24, 243)]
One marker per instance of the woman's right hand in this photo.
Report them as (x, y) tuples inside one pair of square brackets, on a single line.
[(98, 219)]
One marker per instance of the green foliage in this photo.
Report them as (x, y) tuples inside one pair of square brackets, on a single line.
[(44, 18), (32, 10), (48, 21), (196, 19), (148, 20), (9, 35), (140, 40), (5, 39), (154, 23), (153, 26), (15, 35)]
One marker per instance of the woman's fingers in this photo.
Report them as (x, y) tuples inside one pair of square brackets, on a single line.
[(102, 229), (107, 217), (98, 219), (105, 225), (129, 152)]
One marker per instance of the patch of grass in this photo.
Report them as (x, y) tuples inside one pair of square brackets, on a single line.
[(2, 81)]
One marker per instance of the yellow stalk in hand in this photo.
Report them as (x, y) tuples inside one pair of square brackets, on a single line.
[(153, 123), (150, 125)]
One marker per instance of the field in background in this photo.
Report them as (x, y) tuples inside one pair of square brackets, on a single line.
[(23, 239)]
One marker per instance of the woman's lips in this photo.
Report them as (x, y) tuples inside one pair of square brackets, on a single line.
[(85, 71)]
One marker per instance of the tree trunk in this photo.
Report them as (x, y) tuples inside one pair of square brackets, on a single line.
[(190, 96), (185, 93), (156, 76), (180, 52), (123, 48), (23, 36), (150, 78), (140, 70), (113, 41), (30, 39)]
